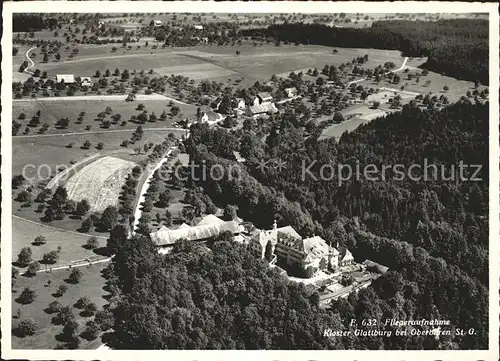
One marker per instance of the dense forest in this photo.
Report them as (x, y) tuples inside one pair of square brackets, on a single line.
[(433, 235), (399, 223), (223, 298), (455, 47), (28, 22)]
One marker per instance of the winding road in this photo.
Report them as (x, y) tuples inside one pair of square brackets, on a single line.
[(145, 186), (30, 62)]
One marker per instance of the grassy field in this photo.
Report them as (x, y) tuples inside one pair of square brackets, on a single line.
[(17, 60), (457, 88), (207, 62), (24, 233), (52, 111), (45, 338), (27, 150)]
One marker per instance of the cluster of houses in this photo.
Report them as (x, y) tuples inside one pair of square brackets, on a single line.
[(263, 104), (159, 24), (279, 244)]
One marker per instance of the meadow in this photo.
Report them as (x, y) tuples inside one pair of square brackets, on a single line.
[(255, 62), (53, 110), (45, 337), (24, 233), (53, 150)]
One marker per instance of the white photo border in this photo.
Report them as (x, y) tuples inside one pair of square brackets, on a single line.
[(246, 7)]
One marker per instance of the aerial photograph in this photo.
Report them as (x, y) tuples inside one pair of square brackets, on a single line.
[(250, 181)]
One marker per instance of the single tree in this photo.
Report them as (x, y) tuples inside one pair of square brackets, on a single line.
[(54, 307), (91, 330), (24, 257), (50, 257), (61, 290), (33, 268), (26, 327), (27, 296), (75, 276), (92, 243), (82, 208), (109, 217), (39, 240), (104, 319)]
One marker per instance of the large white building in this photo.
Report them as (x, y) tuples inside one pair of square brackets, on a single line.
[(210, 226), (309, 254)]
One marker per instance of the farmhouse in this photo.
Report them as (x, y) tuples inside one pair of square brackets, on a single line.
[(155, 23), (210, 226), (204, 118), (86, 81), (66, 78), (262, 98), (261, 109), (238, 104), (286, 245), (207, 116), (198, 27), (216, 103), (291, 92)]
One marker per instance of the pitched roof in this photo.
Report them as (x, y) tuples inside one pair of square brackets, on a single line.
[(168, 237), (68, 78), (264, 95), (164, 228), (184, 225), (315, 246), (289, 231), (263, 108), (210, 219), (346, 255), (263, 237), (377, 267)]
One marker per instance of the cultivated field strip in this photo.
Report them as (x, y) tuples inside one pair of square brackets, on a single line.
[(99, 182), (61, 175)]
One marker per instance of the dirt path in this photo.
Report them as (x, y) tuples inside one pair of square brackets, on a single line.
[(96, 132), (105, 260), (31, 62), (145, 186), (139, 97)]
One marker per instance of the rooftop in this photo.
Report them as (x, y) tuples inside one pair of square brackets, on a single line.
[(68, 78), (263, 108), (265, 96), (210, 226)]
